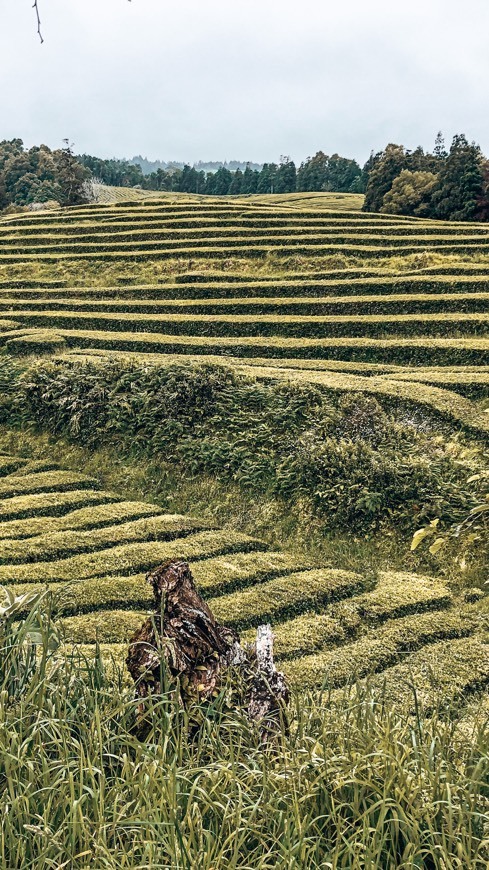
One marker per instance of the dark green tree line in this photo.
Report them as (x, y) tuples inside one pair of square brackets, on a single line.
[(320, 172), (451, 185), (39, 174)]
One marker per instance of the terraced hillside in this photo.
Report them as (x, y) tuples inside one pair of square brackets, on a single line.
[(91, 549), (420, 336)]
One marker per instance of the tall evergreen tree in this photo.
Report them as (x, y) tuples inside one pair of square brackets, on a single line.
[(266, 180), (460, 187), (236, 186), (341, 173), (312, 173), (250, 180), (286, 176), (3, 191), (71, 177), (222, 181), (439, 151)]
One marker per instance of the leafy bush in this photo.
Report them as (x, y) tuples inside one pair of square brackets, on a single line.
[(467, 538), (351, 460)]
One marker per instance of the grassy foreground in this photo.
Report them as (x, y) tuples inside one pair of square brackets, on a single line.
[(355, 785)]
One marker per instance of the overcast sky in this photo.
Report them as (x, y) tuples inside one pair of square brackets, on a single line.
[(243, 79)]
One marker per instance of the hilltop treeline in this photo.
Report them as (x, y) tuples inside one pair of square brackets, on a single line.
[(321, 172), (447, 185), (39, 174)]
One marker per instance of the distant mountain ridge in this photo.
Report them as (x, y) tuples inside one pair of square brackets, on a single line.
[(148, 166)]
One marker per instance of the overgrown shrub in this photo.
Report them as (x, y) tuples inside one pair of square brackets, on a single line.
[(346, 455), (9, 374)]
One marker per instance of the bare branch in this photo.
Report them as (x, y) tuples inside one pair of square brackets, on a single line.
[(36, 8)]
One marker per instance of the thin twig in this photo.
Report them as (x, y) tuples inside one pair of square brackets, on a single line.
[(35, 6)]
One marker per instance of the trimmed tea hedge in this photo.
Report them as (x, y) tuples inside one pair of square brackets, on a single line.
[(51, 503), (43, 481), (92, 517), (379, 650), (128, 558), (285, 596), (52, 545)]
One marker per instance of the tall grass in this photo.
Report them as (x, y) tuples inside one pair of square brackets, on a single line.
[(355, 785)]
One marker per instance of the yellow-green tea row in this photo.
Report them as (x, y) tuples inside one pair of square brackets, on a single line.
[(284, 596), (104, 237), (444, 402), (114, 592), (10, 464), (305, 590), (379, 649), (439, 673), (214, 575), (38, 342), (34, 466), (442, 303), (128, 558), (305, 287), (93, 517), (218, 211), (396, 595), (421, 351), (44, 481), (52, 503), (264, 325), (250, 363), (450, 670), (220, 251), (104, 626), (224, 574), (407, 389), (473, 384), (303, 634), (53, 545)]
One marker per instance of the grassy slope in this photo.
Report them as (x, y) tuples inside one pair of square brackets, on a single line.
[(368, 621), (365, 785)]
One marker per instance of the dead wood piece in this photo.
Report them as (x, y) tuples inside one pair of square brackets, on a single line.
[(196, 648), (199, 651), (269, 693)]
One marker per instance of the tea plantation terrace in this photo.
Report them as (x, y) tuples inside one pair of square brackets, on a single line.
[(91, 548), (207, 228), (419, 335)]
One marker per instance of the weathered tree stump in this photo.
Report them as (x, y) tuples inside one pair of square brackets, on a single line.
[(200, 652)]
